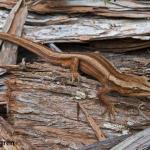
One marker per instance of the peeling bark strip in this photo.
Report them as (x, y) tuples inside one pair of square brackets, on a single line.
[(14, 25), (120, 8), (99, 134)]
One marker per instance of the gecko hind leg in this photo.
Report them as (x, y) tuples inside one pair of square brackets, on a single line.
[(105, 101)]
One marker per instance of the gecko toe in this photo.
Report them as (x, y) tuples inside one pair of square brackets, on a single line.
[(75, 77)]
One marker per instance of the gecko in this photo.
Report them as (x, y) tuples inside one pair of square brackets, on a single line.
[(96, 66)]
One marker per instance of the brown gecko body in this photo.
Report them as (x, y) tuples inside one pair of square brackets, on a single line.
[(96, 66)]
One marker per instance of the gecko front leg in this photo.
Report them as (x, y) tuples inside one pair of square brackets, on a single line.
[(73, 64), (74, 69)]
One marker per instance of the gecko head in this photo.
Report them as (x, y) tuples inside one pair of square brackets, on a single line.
[(139, 86)]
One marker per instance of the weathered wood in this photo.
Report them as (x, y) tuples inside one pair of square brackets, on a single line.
[(106, 144), (140, 141), (98, 29), (14, 25)]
